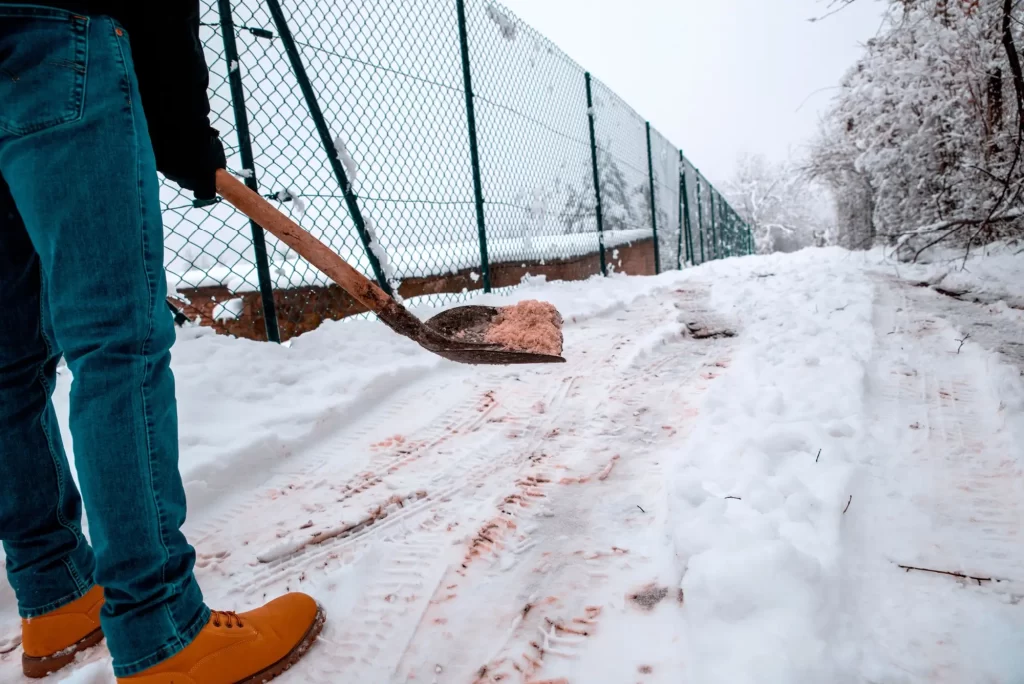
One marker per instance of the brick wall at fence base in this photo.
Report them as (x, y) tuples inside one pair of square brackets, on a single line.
[(302, 309)]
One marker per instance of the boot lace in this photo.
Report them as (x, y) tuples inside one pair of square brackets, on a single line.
[(225, 618)]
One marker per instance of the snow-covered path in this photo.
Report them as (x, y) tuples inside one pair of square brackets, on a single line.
[(673, 505), (945, 481)]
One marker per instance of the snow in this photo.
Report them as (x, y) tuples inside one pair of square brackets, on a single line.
[(720, 485), (993, 277), (351, 167), (292, 195), (761, 570), (378, 251), (504, 22), (230, 310)]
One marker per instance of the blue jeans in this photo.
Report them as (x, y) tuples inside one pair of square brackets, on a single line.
[(81, 274)]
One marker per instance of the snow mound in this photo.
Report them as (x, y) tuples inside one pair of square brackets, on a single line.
[(755, 513)]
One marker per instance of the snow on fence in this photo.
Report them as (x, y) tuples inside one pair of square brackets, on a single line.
[(353, 117)]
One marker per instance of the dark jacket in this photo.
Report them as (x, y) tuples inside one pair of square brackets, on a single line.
[(173, 79)]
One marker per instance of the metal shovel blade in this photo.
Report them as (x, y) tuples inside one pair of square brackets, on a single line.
[(460, 335)]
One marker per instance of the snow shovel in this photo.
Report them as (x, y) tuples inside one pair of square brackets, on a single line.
[(457, 334)]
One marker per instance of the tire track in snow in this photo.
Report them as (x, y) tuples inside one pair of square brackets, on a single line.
[(465, 471), (523, 553), (281, 515), (333, 461), (335, 453), (371, 645), (389, 612), (469, 472), (947, 491), (577, 587)]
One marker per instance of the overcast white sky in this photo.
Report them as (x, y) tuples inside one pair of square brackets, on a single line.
[(717, 77)]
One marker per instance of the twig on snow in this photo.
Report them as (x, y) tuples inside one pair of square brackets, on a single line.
[(641, 508), (733, 497), (848, 504), (818, 458), (960, 575), (966, 337)]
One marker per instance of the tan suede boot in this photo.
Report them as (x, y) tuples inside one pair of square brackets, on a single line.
[(52, 641), (243, 648)]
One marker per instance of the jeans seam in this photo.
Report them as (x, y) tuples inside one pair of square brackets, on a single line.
[(47, 393), (149, 334)]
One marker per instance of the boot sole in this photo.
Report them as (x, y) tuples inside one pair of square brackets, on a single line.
[(295, 655), (37, 668)]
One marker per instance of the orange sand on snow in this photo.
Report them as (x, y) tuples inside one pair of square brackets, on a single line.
[(529, 326)]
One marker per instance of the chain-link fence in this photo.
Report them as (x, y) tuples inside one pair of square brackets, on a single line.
[(441, 147)]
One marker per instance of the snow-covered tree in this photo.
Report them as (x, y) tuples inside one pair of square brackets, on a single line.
[(620, 208), (923, 141), (785, 210)]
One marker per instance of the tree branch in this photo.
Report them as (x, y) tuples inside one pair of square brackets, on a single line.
[(1014, 59)]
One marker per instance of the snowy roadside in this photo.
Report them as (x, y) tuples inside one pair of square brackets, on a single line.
[(988, 275), (982, 295), (767, 484)]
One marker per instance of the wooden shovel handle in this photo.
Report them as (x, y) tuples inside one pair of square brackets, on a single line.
[(364, 290)]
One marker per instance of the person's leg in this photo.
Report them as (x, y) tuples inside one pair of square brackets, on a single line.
[(49, 563), (81, 170)]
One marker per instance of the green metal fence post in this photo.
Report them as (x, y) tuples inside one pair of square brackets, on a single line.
[(474, 151), (682, 219), (351, 201), (654, 206), (730, 227), (597, 174), (743, 231), (734, 236), (714, 226), (685, 193), (259, 244), (732, 230), (700, 215), (725, 235), (726, 231)]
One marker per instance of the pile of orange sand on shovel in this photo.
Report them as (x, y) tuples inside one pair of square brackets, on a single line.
[(529, 326)]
